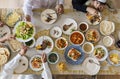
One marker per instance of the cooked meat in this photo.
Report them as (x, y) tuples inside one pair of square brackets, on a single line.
[(66, 27)]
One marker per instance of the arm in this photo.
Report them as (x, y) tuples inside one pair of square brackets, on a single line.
[(46, 73), (79, 5), (61, 2), (27, 9), (9, 67)]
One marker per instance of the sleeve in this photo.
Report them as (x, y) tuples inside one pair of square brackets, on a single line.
[(79, 5), (9, 68), (27, 7), (60, 1), (46, 74)]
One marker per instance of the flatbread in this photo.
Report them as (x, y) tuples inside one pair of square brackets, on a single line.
[(3, 59)]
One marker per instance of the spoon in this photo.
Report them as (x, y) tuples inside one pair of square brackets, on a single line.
[(91, 61)]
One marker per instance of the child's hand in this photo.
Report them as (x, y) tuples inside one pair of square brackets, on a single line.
[(23, 50), (60, 9)]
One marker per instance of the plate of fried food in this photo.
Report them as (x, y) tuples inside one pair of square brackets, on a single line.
[(61, 43), (48, 16), (92, 35), (24, 31), (36, 63), (68, 26), (100, 52), (114, 57), (94, 19), (44, 44), (4, 30), (4, 54), (74, 55)]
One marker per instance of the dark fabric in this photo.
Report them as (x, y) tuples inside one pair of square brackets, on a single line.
[(79, 5)]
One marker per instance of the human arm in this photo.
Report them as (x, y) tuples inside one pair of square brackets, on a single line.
[(46, 74), (8, 69), (27, 9), (6, 37)]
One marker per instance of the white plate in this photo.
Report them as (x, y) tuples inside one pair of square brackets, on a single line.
[(20, 39), (73, 27), (4, 31), (35, 69), (46, 14), (106, 52), (23, 65), (90, 68), (59, 39), (107, 27), (97, 21), (39, 42), (111, 52), (56, 32)]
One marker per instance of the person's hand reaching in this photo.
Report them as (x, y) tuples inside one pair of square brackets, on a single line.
[(23, 50), (60, 9), (44, 58)]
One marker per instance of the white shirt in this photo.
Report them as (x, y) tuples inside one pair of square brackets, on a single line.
[(10, 66), (29, 5)]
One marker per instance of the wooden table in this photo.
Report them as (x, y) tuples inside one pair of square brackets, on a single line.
[(43, 29)]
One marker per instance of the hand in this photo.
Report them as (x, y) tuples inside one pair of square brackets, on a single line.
[(44, 58), (92, 11), (23, 50), (60, 9), (9, 37), (28, 18), (1, 24)]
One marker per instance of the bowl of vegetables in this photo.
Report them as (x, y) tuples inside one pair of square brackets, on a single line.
[(53, 58), (24, 31), (30, 43)]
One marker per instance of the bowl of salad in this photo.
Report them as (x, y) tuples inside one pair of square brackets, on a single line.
[(24, 31)]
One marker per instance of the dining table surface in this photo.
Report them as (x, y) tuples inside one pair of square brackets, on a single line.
[(44, 29)]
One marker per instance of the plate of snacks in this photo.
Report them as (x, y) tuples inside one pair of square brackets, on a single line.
[(4, 30), (68, 26), (74, 55), (114, 57), (56, 32), (4, 55), (94, 19), (100, 52), (48, 16), (36, 63), (44, 44), (92, 35), (61, 43), (24, 31)]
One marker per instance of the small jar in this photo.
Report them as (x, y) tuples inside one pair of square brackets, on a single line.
[(108, 41)]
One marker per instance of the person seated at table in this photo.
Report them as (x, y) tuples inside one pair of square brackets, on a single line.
[(30, 5), (90, 6), (11, 65)]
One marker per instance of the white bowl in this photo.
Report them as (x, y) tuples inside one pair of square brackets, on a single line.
[(59, 39), (92, 47), (87, 26), (56, 60), (77, 37), (56, 32), (32, 45), (105, 53)]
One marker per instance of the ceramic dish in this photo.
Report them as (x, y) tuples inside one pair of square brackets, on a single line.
[(83, 26), (30, 43), (48, 16), (44, 44), (68, 26)]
